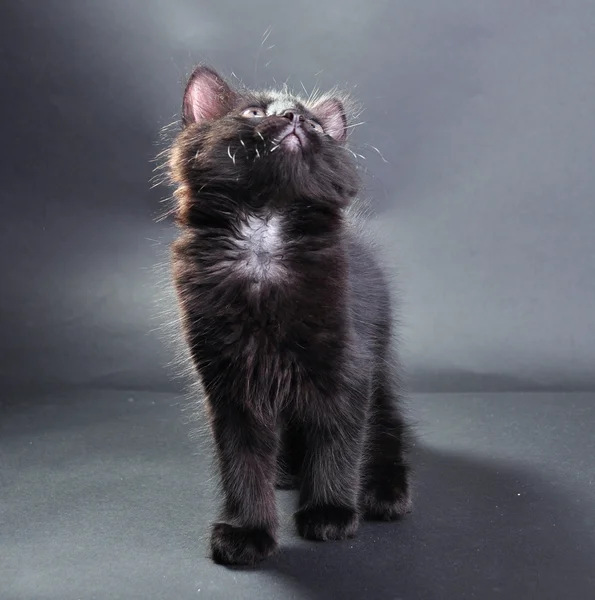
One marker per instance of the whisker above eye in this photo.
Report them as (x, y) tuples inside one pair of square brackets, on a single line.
[(355, 125)]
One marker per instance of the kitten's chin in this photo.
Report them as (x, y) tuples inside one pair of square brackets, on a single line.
[(292, 143), (293, 139)]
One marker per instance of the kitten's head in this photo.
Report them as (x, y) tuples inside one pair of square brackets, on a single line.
[(260, 147)]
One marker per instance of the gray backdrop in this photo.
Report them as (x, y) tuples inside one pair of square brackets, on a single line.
[(484, 112)]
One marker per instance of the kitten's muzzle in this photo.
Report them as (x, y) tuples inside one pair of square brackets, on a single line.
[(289, 123), (295, 128)]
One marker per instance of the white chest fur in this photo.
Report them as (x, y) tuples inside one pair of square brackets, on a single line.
[(259, 248)]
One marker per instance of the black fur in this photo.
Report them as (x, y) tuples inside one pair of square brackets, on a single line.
[(287, 316)]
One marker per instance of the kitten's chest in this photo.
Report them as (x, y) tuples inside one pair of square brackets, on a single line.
[(256, 249)]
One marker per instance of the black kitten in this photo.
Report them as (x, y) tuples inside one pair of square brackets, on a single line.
[(287, 317)]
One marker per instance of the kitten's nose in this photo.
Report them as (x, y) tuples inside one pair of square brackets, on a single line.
[(293, 115)]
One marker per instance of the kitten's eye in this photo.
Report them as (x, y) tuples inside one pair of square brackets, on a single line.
[(254, 112), (317, 127)]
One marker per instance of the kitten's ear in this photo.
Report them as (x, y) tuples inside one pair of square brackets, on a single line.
[(207, 96), (331, 113)]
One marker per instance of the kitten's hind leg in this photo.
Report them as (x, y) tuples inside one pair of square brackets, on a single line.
[(386, 493), (291, 457)]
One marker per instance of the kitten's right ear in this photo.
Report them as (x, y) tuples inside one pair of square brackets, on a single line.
[(207, 97)]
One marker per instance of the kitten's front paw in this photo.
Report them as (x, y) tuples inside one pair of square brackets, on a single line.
[(386, 501), (326, 522), (240, 545)]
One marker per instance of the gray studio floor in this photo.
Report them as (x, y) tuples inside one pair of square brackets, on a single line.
[(106, 496)]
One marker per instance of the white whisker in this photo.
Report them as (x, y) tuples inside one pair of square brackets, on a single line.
[(260, 134), (379, 153), (229, 153), (266, 34), (355, 125), (257, 152), (265, 37)]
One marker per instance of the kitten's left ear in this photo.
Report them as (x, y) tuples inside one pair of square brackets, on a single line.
[(207, 96), (331, 113)]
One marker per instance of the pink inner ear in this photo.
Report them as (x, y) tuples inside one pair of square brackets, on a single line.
[(207, 96), (332, 115)]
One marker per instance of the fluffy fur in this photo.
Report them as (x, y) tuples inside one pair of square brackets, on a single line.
[(287, 316)]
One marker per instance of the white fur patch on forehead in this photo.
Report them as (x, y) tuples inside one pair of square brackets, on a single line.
[(280, 103)]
